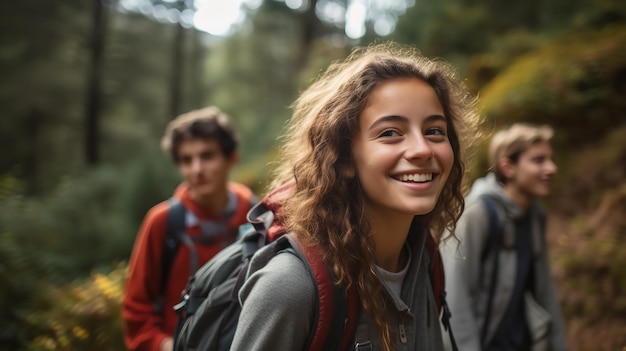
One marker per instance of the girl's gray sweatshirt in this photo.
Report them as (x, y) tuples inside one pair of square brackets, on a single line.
[(278, 301)]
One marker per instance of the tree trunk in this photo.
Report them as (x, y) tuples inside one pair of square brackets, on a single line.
[(176, 72), (200, 92), (94, 79), (310, 28)]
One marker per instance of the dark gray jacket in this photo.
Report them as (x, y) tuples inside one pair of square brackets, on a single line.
[(278, 306), (467, 294)]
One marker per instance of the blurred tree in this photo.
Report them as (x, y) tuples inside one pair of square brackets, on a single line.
[(40, 53), (199, 90), (64, 106), (182, 60), (311, 26), (176, 65), (94, 82), (256, 73), (135, 86)]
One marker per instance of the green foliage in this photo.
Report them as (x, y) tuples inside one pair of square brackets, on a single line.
[(562, 77), (84, 315), (75, 228), (38, 104), (84, 225), (567, 82), (10, 186), (323, 53), (484, 67), (20, 277), (90, 219), (43, 61), (559, 62), (254, 73), (459, 29), (443, 26), (136, 77), (149, 179)]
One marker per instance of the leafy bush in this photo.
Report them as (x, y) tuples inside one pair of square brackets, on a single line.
[(567, 83), (21, 273), (83, 225), (575, 87), (89, 220), (45, 242), (148, 180), (76, 228), (84, 315)]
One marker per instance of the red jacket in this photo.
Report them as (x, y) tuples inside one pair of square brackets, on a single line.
[(143, 328)]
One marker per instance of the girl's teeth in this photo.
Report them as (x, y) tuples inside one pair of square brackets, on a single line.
[(417, 177)]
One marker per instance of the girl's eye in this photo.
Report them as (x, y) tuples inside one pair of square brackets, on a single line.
[(389, 133), (436, 131)]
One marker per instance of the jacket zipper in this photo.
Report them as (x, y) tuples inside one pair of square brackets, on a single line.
[(402, 329)]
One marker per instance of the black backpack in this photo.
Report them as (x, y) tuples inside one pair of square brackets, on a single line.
[(209, 310)]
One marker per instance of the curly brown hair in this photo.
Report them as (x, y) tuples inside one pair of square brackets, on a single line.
[(327, 206)]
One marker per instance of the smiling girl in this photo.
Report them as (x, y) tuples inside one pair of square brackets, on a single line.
[(375, 151)]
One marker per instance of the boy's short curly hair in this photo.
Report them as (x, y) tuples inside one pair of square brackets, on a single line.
[(207, 123)]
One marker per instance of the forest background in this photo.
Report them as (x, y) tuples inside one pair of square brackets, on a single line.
[(88, 86)]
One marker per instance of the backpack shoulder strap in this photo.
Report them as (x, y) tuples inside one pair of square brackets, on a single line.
[(175, 223), (493, 245), (495, 224), (338, 310), (438, 282), (436, 271), (354, 309)]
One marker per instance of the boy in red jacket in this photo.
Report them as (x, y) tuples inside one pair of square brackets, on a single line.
[(203, 144)]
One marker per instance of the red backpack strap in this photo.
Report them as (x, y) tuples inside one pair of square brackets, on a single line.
[(437, 274), (354, 308), (438, 281), (337, 311)]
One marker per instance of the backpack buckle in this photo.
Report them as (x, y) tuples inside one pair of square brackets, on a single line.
[(180, 307)]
